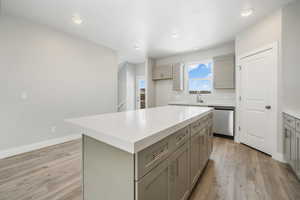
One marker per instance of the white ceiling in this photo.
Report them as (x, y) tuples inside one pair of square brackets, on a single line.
[(121, 24)]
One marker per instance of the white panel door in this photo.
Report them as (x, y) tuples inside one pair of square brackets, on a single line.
[(258, 84)]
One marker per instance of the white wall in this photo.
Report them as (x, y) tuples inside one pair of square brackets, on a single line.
[(62, 76), (140, 69), (264, 32), (130, 86), (163, 88), (260, 34), (127, 84), (291, 49)]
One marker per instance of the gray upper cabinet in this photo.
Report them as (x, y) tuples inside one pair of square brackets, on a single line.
[(178, 76), (224, 72), (179, 173), (161, 72)]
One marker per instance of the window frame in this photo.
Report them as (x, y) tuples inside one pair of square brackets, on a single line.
[(212, 77)]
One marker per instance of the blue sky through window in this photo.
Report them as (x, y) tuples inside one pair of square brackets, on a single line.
[(141, 84), (200, 77)]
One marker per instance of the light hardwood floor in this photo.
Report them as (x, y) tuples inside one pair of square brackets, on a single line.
[(235, 172)]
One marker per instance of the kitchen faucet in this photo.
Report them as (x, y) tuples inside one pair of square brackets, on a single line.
[(199, 98)]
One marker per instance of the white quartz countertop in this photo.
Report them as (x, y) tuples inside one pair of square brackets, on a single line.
[(133, 131), (225, 104), (293, 113)]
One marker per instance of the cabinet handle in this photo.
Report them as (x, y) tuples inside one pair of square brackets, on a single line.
[(157, 155), (180, 138)]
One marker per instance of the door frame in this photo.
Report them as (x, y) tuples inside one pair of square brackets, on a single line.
[(275, 126), (137, 92)]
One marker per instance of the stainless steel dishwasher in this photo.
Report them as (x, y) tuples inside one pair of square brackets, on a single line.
[(223, 120)]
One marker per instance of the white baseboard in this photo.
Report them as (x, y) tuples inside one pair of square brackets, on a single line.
[(35, 146), (279, 157)]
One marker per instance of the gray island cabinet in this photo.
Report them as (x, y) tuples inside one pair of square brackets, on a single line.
[(152, 154)]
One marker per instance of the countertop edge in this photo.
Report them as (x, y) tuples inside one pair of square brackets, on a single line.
[(295, 114), (136, 146), (201, 105), (143, 144)]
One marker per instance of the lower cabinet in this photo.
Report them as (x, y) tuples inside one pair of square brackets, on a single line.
[(195, 159), (179, 174), (298, 153), (287, 144), (293, 150), (168, 181), (175, 176), (203, 148), (290, 146), (210, 138), (291, 143), (155, 185)]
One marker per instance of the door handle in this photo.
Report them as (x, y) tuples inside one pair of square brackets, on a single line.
[(268, 107)]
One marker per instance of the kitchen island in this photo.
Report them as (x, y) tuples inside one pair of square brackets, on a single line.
[(156, 153)]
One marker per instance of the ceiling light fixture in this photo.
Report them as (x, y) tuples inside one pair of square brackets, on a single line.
[(247, 12), (77, 19), (136, 47)]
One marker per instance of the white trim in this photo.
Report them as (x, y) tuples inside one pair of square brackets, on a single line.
[(261, 49), (279, 157), (273, 46), (35, 146), (137, 91)]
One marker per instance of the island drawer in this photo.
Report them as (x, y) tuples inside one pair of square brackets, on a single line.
[(289, 120), (209, 117), (298, 125), (150, 157), (197, 126), (179, 138)]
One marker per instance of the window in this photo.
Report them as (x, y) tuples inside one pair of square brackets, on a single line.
[(200, 77), (141, 84)]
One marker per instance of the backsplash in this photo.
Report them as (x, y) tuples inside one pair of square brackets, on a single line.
[(165, 94)]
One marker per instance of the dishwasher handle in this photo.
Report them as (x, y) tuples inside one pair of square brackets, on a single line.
[(222, 107)]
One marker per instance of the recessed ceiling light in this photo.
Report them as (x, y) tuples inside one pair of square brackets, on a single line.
[(77, 19), (136, 47), (247, 12), (174, 35)]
